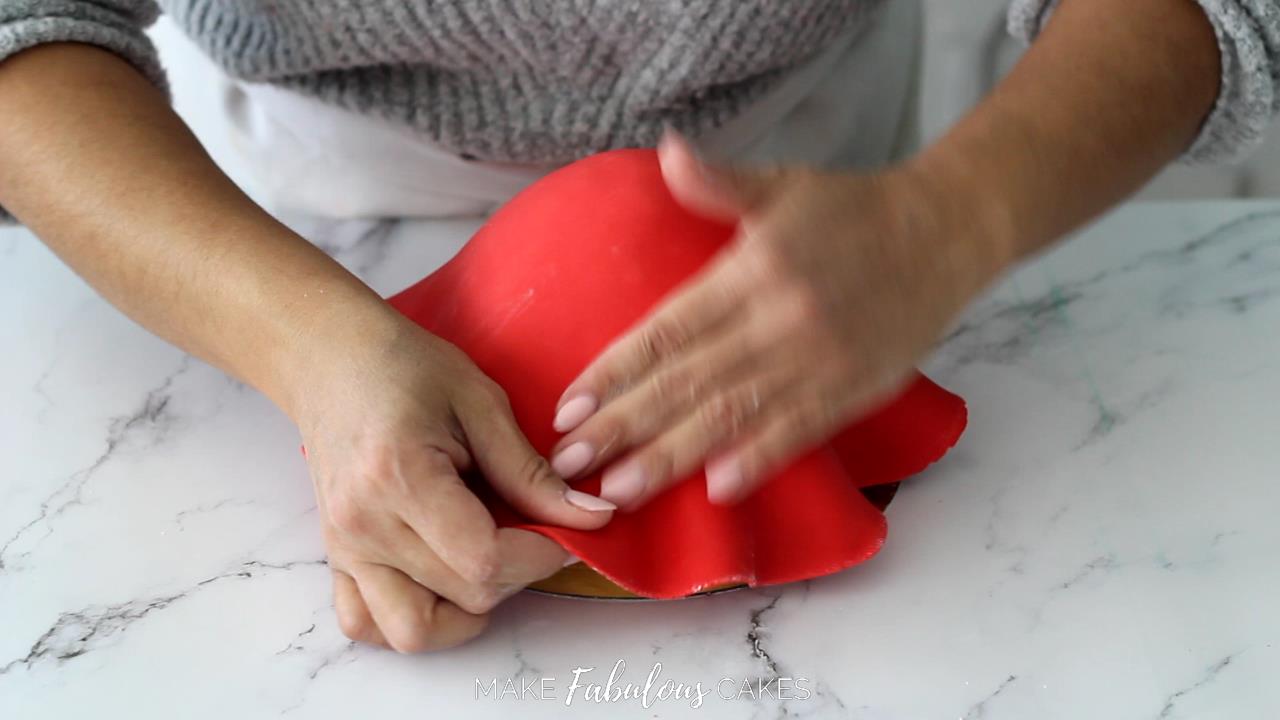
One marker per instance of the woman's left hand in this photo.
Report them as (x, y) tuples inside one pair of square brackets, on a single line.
[(836, 285)]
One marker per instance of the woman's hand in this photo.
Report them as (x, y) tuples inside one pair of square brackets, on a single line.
[(388, 422), (836, 285), (388, 413)]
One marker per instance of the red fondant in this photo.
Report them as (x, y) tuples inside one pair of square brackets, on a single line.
[(570, 264)]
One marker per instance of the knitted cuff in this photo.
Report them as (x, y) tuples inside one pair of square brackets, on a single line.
[(1248, 33)]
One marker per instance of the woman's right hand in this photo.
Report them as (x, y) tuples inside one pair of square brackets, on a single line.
[(389, 420)]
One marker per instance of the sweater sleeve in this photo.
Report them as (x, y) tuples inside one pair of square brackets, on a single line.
[(114, 25), (1248, 33)]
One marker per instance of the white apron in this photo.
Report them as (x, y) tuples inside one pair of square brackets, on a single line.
[(854, 105)]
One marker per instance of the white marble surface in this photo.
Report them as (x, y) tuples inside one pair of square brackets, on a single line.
[(1102, 544)]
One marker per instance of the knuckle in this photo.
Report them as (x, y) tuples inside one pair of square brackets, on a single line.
[(660, 464), (663, 338), (347, 514), (492, 393), (481, 563), (409, 633), (378, 468), (400, 473), (480, 598), (803, 306), (673, 387), (375, 463), (436, 460), (536, 472), (725, 414), (357, 626), (797, 422), (609, 431), (808, 421)]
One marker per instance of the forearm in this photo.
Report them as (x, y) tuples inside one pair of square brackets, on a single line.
[(99, 167), (1109, 94)]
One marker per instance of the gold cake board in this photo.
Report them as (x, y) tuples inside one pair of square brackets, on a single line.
[(580, 581)]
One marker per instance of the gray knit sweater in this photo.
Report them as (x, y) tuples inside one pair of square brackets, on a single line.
[(546, 82)]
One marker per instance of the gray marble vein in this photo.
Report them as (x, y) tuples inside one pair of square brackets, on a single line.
[(77, 632), (1210, 675), (1101, 543), (144, 428)]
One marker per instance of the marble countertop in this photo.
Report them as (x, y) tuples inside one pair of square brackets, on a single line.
[(1102, 543)]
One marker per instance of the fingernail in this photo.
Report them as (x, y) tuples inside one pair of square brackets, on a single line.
[(574, 413), (724, 480), (571, 560), (573, 459), (588, 502), (623, 485)]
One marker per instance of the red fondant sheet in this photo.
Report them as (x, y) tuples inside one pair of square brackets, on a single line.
[(570, 264)]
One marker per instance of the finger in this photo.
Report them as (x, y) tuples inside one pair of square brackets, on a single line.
[(353, 615), (677, 453), (518, 473), (672, 391), (411, 617), (448, 517), (526, 557), (717, 192), (532, 556), (713, 298), (778, 441)]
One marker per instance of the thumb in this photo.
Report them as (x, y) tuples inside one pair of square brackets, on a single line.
[(723, 193), (518, 473)]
